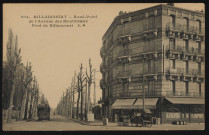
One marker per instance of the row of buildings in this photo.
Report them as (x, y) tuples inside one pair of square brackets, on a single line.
[(157, 53)]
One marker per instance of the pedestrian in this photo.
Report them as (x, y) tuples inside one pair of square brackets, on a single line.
[(138, 120), (17, 115)]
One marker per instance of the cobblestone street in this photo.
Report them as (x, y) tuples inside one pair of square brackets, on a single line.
[(59, 123)]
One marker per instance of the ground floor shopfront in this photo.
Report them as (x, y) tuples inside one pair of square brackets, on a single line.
[(165, 109)]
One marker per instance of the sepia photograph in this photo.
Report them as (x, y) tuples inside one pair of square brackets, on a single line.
[(103, 67)]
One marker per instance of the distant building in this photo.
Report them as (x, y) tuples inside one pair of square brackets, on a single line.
[(158, 52)]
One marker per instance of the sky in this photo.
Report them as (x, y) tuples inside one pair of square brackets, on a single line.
[(56, 53)]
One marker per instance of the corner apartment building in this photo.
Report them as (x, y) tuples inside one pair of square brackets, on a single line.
[(158, 53)]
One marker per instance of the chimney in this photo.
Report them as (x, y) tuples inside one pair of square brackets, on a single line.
[(170, 4)]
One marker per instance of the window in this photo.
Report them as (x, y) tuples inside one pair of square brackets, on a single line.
[(199, 68), (150, 86), (150, 66), (172, 21), (172, 44), (198, 26), (151, 22), (200, 91), (187, 66), (186, 44), (199, 46), (187, 87), (173, 64), (173, 87), (108, 90), (186, 24)]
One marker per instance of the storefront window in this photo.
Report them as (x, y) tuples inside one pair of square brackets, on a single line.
[(197, 115)]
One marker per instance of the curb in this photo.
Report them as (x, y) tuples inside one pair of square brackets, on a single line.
[(83, 122)]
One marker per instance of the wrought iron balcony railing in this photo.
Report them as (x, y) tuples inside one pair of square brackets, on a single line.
[(184, 71), (190, 50), (124, 53), (124, 39), (102, 84), (124, 73), (103, 51), (182, 93), (102, 68), (185, 28)]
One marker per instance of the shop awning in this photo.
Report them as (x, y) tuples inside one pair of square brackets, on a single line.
[(123, 104), (186, 100), (150, 103)]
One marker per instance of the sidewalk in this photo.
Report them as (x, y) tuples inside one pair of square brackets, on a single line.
[(154, 126), (94, 123)]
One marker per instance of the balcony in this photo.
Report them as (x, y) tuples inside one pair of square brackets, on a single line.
[(153, 93), (152, 48), (173, 53), (124, 56), (102, 68), (172, 27), (110, 43), (149, 32), (181, 94), (124, 40), (102, 84), (147, 29), (103, 52), (181, 71), (125, 95), (184, 31), (185, 75), (201, 52), (124, 76), (124, 73)]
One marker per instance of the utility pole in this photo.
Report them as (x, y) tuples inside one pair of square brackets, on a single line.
[(86, 100), (94, 87), (61, 110), (71, 93), (63, 106), (143, 86), (67, 101)]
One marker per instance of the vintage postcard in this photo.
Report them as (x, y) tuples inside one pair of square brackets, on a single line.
[(102, 66)]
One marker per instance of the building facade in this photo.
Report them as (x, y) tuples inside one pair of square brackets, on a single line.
[(157, 53)]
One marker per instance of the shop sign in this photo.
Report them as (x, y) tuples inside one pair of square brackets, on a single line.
[(172, 115), (197, 115), (135, 87), (185, 115), (90, 117)]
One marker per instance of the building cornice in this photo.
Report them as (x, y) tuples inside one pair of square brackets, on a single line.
[(134, 13), (183, 10), (143, 11)]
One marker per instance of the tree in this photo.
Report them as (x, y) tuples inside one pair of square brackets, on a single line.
[(35, 102), (78, 99), (89, 80), (81, 79), (13, 61), (73, 88), (32, 96), (27, 79), (27, 101)]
